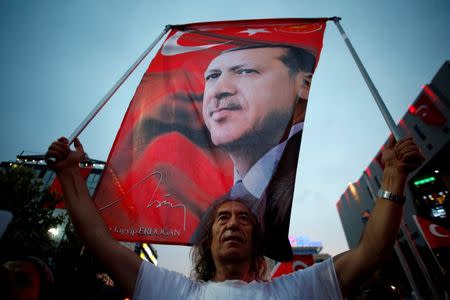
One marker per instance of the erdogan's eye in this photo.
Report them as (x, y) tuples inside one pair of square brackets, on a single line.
[(212, 75), (246, 71)]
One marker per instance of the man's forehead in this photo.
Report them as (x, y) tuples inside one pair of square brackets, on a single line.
[(242, 56), (233, 206)]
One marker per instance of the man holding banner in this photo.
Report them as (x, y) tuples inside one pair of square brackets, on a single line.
[(233, 240), (218, 114), (226, 178)]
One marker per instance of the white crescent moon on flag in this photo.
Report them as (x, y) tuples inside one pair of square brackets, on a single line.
[(433, 230), (298, 263), (171, 46), (423, 110)]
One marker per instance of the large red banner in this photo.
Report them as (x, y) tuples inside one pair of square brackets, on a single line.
[(218, 115)]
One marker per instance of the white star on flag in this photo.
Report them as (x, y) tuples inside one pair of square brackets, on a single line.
[(252, 31)]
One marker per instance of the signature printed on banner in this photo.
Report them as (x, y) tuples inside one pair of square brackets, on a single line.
[(158, 231), (152, 203)]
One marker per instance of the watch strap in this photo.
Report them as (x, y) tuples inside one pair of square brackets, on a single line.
[(391, 196)]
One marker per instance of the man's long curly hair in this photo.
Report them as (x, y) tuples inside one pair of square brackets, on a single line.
[(204, 268)]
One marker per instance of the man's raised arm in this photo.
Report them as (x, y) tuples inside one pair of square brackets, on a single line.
[(119, 260), (354, 266)]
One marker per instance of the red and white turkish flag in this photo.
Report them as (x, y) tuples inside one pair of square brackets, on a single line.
[(436, 236), (424, 108), (215, 95), (298, 263)]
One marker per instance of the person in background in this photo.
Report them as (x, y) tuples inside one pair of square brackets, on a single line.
[(27, 278)]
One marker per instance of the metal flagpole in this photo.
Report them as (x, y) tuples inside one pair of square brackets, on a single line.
[(397, 134), (419, 259), (111, 92), (384, 111)]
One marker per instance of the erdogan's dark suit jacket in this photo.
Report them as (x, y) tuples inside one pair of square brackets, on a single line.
[(278, 197)]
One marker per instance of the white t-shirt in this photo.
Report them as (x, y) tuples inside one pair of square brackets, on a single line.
[(316, 282)]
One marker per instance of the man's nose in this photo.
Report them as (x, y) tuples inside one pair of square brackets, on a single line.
[(232, 222), (222, 95), (224, 88)]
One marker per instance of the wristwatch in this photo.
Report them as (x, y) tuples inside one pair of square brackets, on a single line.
[(391, 196)]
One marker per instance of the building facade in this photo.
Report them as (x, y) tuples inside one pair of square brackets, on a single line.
[(421, 259)]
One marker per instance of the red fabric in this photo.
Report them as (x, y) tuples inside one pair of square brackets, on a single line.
[(299, 262), (435, 235), (163, 171)]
